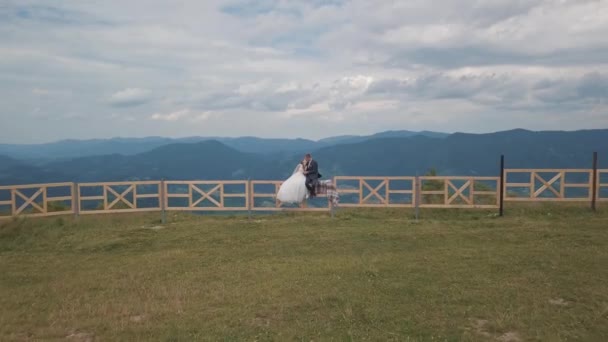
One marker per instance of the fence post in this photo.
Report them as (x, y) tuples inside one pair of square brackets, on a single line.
[(13, 202), (416, 199), (594, 182), (501, 203), (250, 197), (76, 199), (331, 203), (163, 201)]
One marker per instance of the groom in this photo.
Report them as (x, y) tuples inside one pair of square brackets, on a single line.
[(311, 170)]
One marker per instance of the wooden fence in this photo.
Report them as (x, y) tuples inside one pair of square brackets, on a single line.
[(114, 197), (526, 185), (206, 195), (459, 192), (37, 199), (602, 185), (550, 185), (391, 192)]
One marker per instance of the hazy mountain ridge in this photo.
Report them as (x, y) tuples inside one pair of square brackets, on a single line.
[(201, 160), (456, 154), (469, 154), (66, 149)]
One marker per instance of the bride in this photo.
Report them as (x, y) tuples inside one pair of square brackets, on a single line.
[(293, 190)]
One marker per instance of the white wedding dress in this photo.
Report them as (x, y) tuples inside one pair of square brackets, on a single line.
[(293, 190)]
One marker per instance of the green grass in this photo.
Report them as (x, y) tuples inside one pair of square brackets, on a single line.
[(540, 273)]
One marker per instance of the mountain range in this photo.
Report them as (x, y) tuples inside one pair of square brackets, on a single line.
[(384, 154), (130, 146)]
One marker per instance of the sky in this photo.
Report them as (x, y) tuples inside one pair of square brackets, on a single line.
[(312, 69)]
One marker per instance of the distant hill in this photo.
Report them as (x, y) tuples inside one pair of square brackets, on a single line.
[(456, 154), (202, 160), (13, 171), (81, 148), (7, 162), (269, 146), (66, 149), (468, 154), (351, 139)]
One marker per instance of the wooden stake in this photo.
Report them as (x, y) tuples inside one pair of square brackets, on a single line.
[(163, 201)]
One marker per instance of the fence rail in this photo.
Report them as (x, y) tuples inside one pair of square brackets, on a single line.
[(37, 199), (117, 197), (549, 185), (520, 185), (602, 185), (460, 192), (206, 195), (377, 191)]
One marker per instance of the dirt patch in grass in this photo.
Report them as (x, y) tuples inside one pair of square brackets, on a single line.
[(480, 327), (80, 337), (558, 302), (509, 337)]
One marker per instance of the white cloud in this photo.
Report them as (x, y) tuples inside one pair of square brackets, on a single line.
[(184, 114), (130, 97), (463, 63), (173, 116)]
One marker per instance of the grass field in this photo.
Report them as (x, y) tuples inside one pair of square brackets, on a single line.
[(540, 273)]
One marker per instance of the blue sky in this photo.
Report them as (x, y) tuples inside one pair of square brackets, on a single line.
[(281, 68)]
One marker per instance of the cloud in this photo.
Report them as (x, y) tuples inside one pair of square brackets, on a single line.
[(130, 97), (506, 89), (173, 116), (333, 67), (189, 115)]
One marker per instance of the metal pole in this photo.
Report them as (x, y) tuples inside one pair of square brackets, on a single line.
[(163, 201), (501, 191), (594, 182)]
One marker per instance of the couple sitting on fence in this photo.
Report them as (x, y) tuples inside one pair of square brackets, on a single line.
[(304, 183)]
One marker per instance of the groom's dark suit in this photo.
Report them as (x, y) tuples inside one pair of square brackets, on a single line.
[(312, 176)]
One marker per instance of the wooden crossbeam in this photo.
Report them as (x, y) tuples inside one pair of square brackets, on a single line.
[(548, 185), (120, 197), (374, 192), (459, 192), (29, 201), (206, 195)]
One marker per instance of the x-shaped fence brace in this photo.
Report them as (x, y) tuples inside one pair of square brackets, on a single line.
[(458, 192), (30, 200), (119, 197), (373, 192), (547, 185), (206, 195)]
